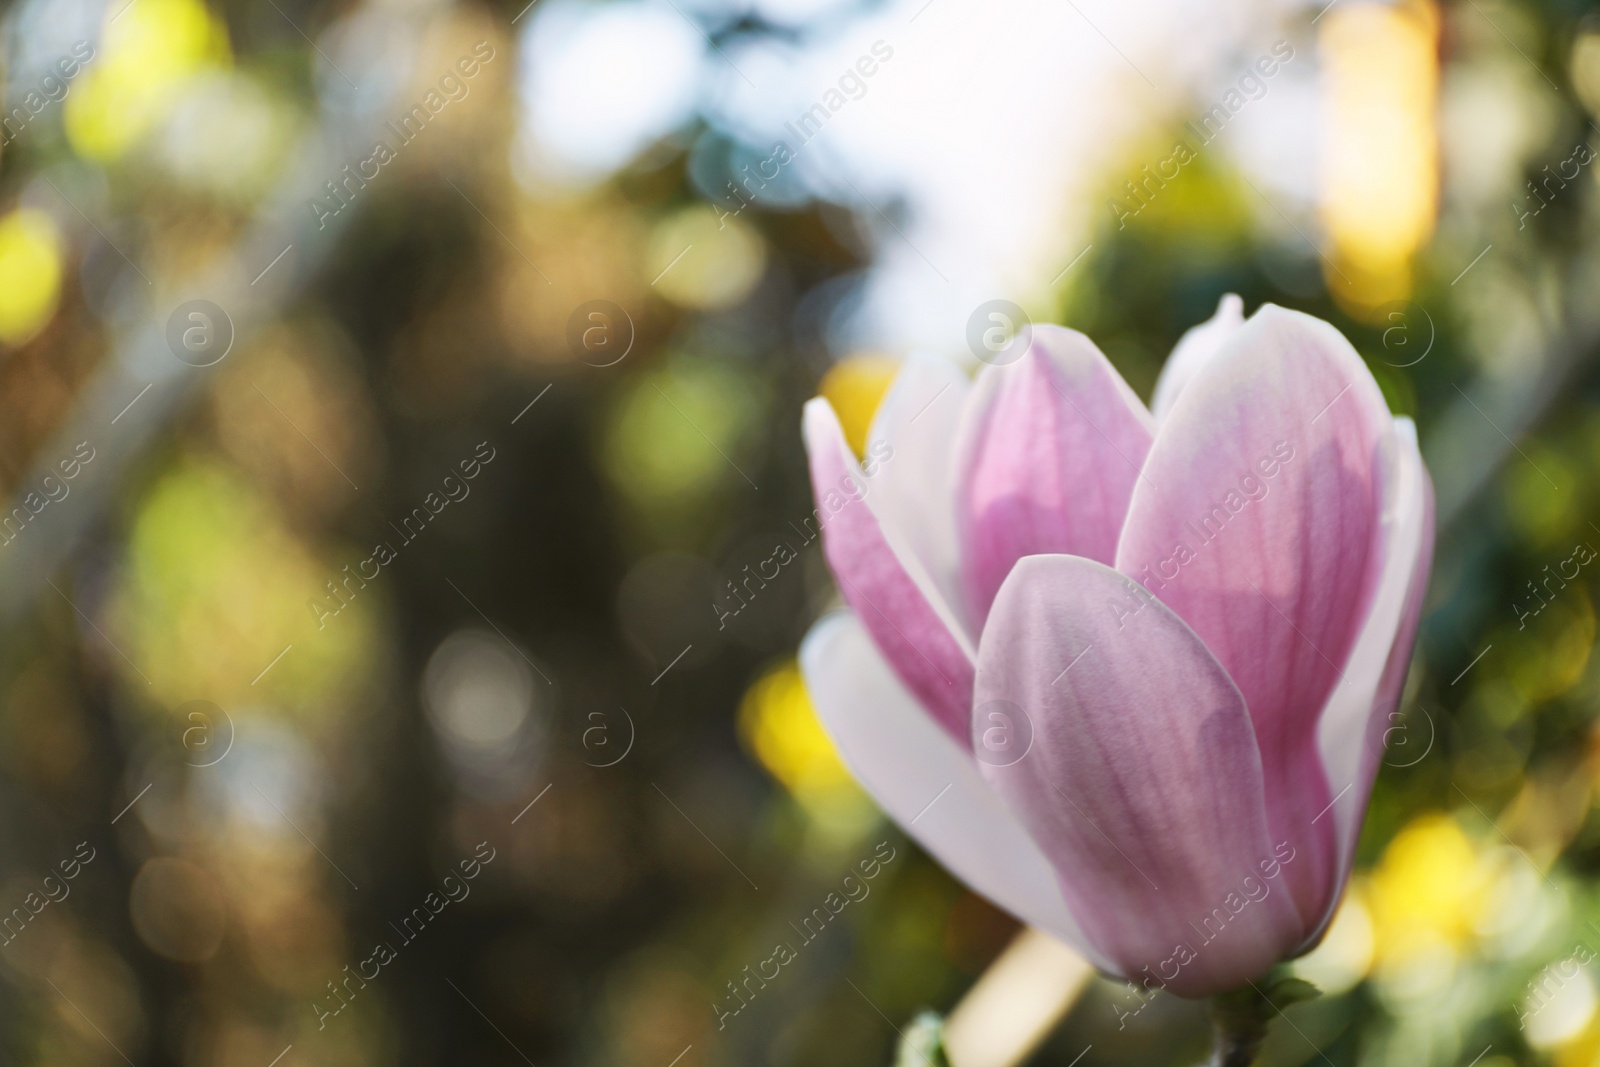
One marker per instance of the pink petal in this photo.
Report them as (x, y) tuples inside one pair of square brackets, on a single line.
[(911, 443), (881, 578), (1143, 783), (928, 784), (1362, 709), (1193, 351), (1276, 571), (1048, 456)]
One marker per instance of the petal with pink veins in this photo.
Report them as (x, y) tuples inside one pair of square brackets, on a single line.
[(1143, 783), (1048, 456), (1257, 522), (880, 576), (926, 783), (1364, 707)]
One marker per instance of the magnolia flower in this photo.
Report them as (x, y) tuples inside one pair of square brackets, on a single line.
[(1126, 673)]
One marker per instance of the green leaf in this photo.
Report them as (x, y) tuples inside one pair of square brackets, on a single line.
[(1287, 991)]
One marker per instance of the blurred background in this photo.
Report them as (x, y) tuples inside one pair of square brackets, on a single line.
[(392, 393)]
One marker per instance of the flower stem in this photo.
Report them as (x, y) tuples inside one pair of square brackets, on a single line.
[(1238, 1026), (1239, 1019)]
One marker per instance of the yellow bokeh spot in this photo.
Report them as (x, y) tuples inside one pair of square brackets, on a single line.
[(855, 386), (1429, 890), (146, 54), (214, 585), (702, 261), (779, 726), (1380, 181), (30, 274)]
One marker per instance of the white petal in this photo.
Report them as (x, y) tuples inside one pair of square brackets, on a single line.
[(1193, 350), (915, 482), (1355, 718), (928, 785)]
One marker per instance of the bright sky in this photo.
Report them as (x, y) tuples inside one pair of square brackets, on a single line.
[(972, 151)]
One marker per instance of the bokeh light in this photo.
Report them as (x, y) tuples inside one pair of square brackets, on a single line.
[(700, 260), (418, 620), (1380, 160), (30, 274), (146, 55)]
